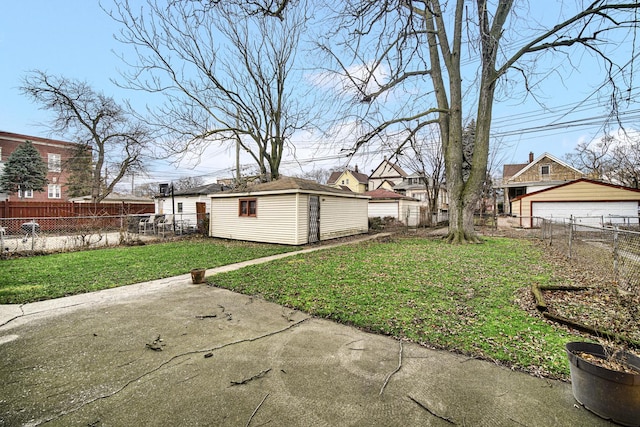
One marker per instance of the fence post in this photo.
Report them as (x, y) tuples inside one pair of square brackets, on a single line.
[(33, 234), (571, 223), (615, 252)]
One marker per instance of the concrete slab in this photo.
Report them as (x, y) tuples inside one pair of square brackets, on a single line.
[(169, 353), (228, 359)]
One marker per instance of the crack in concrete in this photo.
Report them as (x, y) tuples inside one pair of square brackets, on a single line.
[(162, 365), (23, 314)]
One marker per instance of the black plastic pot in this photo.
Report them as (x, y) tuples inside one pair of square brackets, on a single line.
[(609, 394)]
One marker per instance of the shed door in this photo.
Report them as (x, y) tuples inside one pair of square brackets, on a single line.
[(314, 219), (201, 216)]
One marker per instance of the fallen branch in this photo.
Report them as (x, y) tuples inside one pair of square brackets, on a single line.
[(256, 410), (160, 366), (206, 316), (541, 305), (450, 421), (394, 371), (255, 377), (591, 330)]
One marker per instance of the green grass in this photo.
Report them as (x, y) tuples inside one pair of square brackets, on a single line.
[(460, 298), (37, 278)]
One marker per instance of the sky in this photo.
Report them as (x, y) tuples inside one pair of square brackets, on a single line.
[(74, 38)]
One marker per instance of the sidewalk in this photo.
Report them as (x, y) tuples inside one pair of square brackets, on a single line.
[(171, 353)]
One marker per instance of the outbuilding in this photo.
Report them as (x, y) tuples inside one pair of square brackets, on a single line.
[(389, 204), (290, 211), (589, 202)]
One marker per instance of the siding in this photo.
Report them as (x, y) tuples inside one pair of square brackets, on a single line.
[(341, 216), (275, 220), (164, 206), (577, 191)]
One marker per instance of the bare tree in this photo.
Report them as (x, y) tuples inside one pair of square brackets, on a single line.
[(188, 182), (424, 156), (592, 158), (392, 48), (626, 158), (227, 70), (94, 120), (613, 159)]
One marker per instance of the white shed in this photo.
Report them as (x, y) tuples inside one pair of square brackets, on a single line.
[(290, 211), (385, 203), (190, 206)]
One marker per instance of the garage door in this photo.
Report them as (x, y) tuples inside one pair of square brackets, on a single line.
[(587, 213), (383, 209)]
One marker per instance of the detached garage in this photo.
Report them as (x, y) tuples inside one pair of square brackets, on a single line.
[(385, 203), (591, 202), (289, 211)]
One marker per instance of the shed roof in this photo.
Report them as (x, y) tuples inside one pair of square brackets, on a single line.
[(288, 185), (382, 194), (202, 190)]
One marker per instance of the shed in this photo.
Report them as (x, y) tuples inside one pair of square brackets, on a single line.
[(385, 203), (290, 211), (589, 202), (191, 206)]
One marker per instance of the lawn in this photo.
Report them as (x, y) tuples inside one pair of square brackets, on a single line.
[(37, 278), (462, 298)]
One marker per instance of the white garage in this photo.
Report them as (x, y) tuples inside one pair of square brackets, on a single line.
[(385, 203), (590, 202), (587, 213)]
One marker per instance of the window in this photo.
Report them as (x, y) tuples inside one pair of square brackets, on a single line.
[(54, 191), (54, 162), (27, 194), (248, 207), (179, 207), (545, 170), (347, 181), (343, 182)]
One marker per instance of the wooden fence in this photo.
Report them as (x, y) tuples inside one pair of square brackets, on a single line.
[(22, 209)]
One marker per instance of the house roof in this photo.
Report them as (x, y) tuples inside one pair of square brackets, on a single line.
[(288, 185), (510, 170), (360, 177), (382, 194), (391, 166), (114, 198), (543, 155), (202, 190), (591, 181)]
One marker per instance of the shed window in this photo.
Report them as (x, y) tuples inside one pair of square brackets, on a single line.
[(179, 207), (248, 207)]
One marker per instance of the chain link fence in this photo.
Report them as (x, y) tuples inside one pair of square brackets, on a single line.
[(59, 234), (612, 247)]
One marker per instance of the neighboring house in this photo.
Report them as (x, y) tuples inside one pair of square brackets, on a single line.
[(54, 153), (290, 211), (387, 175), (544, 172), (353, 180), (414, 186), (190, 206), (385, 203), (589, 202)]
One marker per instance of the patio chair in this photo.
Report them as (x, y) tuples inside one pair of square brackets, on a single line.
[(165, 224), (147, 224)]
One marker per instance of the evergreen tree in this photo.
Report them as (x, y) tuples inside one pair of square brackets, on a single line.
[(24, 170)]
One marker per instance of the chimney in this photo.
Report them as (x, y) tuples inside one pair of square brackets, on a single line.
[(356, 168), (531, 157)]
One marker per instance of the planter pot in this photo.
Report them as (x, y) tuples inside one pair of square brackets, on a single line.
[(197, 275), (607, 393)]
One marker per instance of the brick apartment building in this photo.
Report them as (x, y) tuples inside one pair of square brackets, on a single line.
[(54, 153)]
